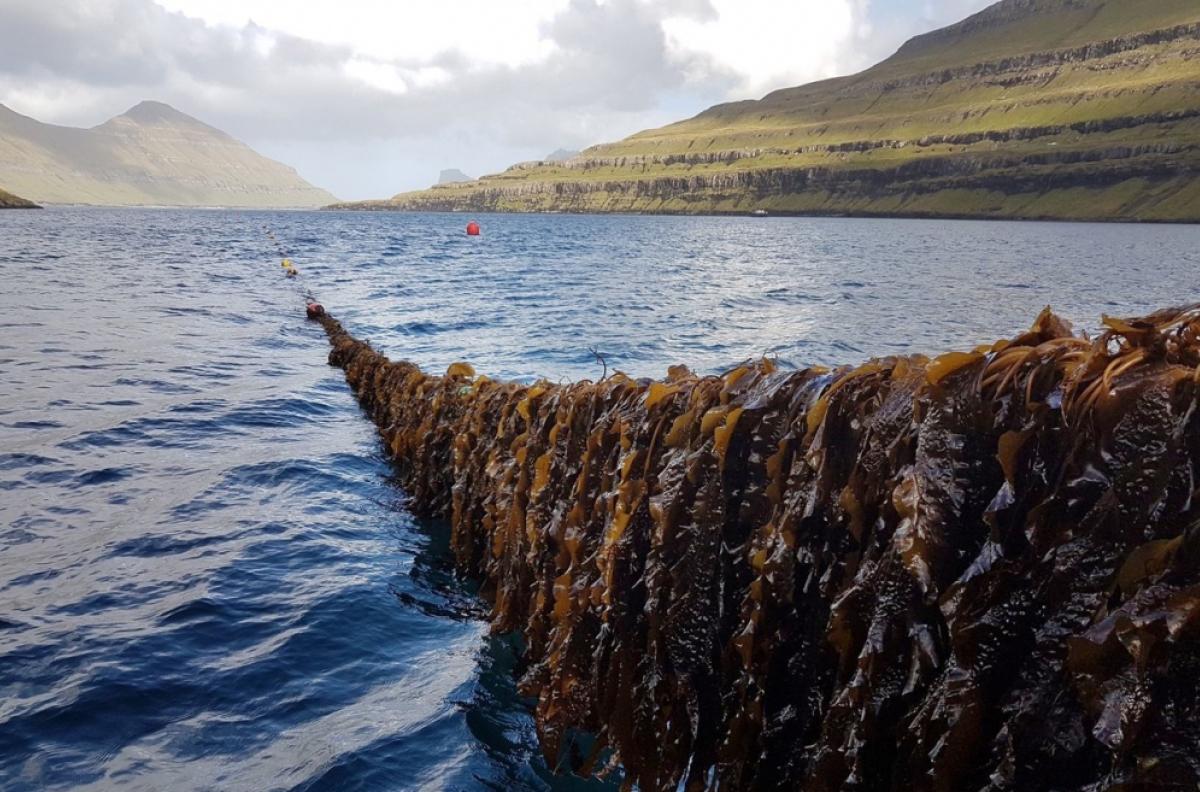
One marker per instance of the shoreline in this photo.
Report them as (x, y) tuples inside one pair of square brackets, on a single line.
[(779, 214), (579, 213)]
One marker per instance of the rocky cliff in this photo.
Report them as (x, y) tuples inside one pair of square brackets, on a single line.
[(151, 155), (10, 201), (1068, 109)]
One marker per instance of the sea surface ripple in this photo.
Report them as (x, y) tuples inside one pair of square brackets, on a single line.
[(207, 576)]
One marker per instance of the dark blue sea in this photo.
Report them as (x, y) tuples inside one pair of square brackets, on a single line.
[(208, 579)]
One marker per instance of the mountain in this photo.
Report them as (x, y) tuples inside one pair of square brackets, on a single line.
[(10, 201), (453, 176), (560, 155), (151, 155), (1066, 109)]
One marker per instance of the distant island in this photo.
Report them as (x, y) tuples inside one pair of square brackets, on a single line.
[(453, 176), (151, 155), (561, 155), (1041, 109), (10, 201)]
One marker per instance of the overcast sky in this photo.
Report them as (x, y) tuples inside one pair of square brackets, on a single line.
[(370, 97)]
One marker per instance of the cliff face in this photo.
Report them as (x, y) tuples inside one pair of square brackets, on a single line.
[(10, 201), (151, 155), (1086, 109)]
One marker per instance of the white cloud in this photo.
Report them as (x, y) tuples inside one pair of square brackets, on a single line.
[(766, 43), (383, 76), (485, 31), (771, 44)]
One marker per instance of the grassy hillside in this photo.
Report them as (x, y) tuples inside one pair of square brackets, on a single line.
[(10, 201), (1086, 109), (150, 155)]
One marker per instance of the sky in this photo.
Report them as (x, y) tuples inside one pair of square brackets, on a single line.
[(368, 98)]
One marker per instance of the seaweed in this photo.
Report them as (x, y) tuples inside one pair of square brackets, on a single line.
[(978, 571)]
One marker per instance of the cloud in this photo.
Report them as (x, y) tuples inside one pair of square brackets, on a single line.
[(769, 44), (367, 97), (490, 32), (599, 56)]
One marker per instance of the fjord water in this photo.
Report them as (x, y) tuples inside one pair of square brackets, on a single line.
[(207, 577)]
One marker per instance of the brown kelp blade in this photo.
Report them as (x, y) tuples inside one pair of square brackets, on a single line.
[(973, 572)]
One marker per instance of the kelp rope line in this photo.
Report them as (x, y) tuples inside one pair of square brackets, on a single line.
[(979, 571), (312, 308)]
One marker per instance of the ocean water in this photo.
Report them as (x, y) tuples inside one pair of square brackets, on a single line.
[(208, 579)]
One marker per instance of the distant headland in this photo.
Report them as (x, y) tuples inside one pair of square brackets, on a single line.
[(1037, 109), (10, 201), (151, 155)]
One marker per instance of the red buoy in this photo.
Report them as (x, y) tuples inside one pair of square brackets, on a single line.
[(472, 228), (315, 310)]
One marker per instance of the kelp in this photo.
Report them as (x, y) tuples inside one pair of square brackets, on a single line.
[(976, 572)]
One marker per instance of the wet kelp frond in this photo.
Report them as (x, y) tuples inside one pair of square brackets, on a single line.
[(972, 572)]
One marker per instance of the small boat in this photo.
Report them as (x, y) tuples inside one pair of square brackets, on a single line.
[(759, 213)]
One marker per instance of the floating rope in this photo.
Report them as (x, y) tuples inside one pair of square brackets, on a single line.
[(292, 272)]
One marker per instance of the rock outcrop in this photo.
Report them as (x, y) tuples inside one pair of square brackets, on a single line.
[(10, 201), (151, 155)]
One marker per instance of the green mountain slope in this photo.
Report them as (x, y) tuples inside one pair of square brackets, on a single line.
[(151, 155), (10, 201), (1085, 109)]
